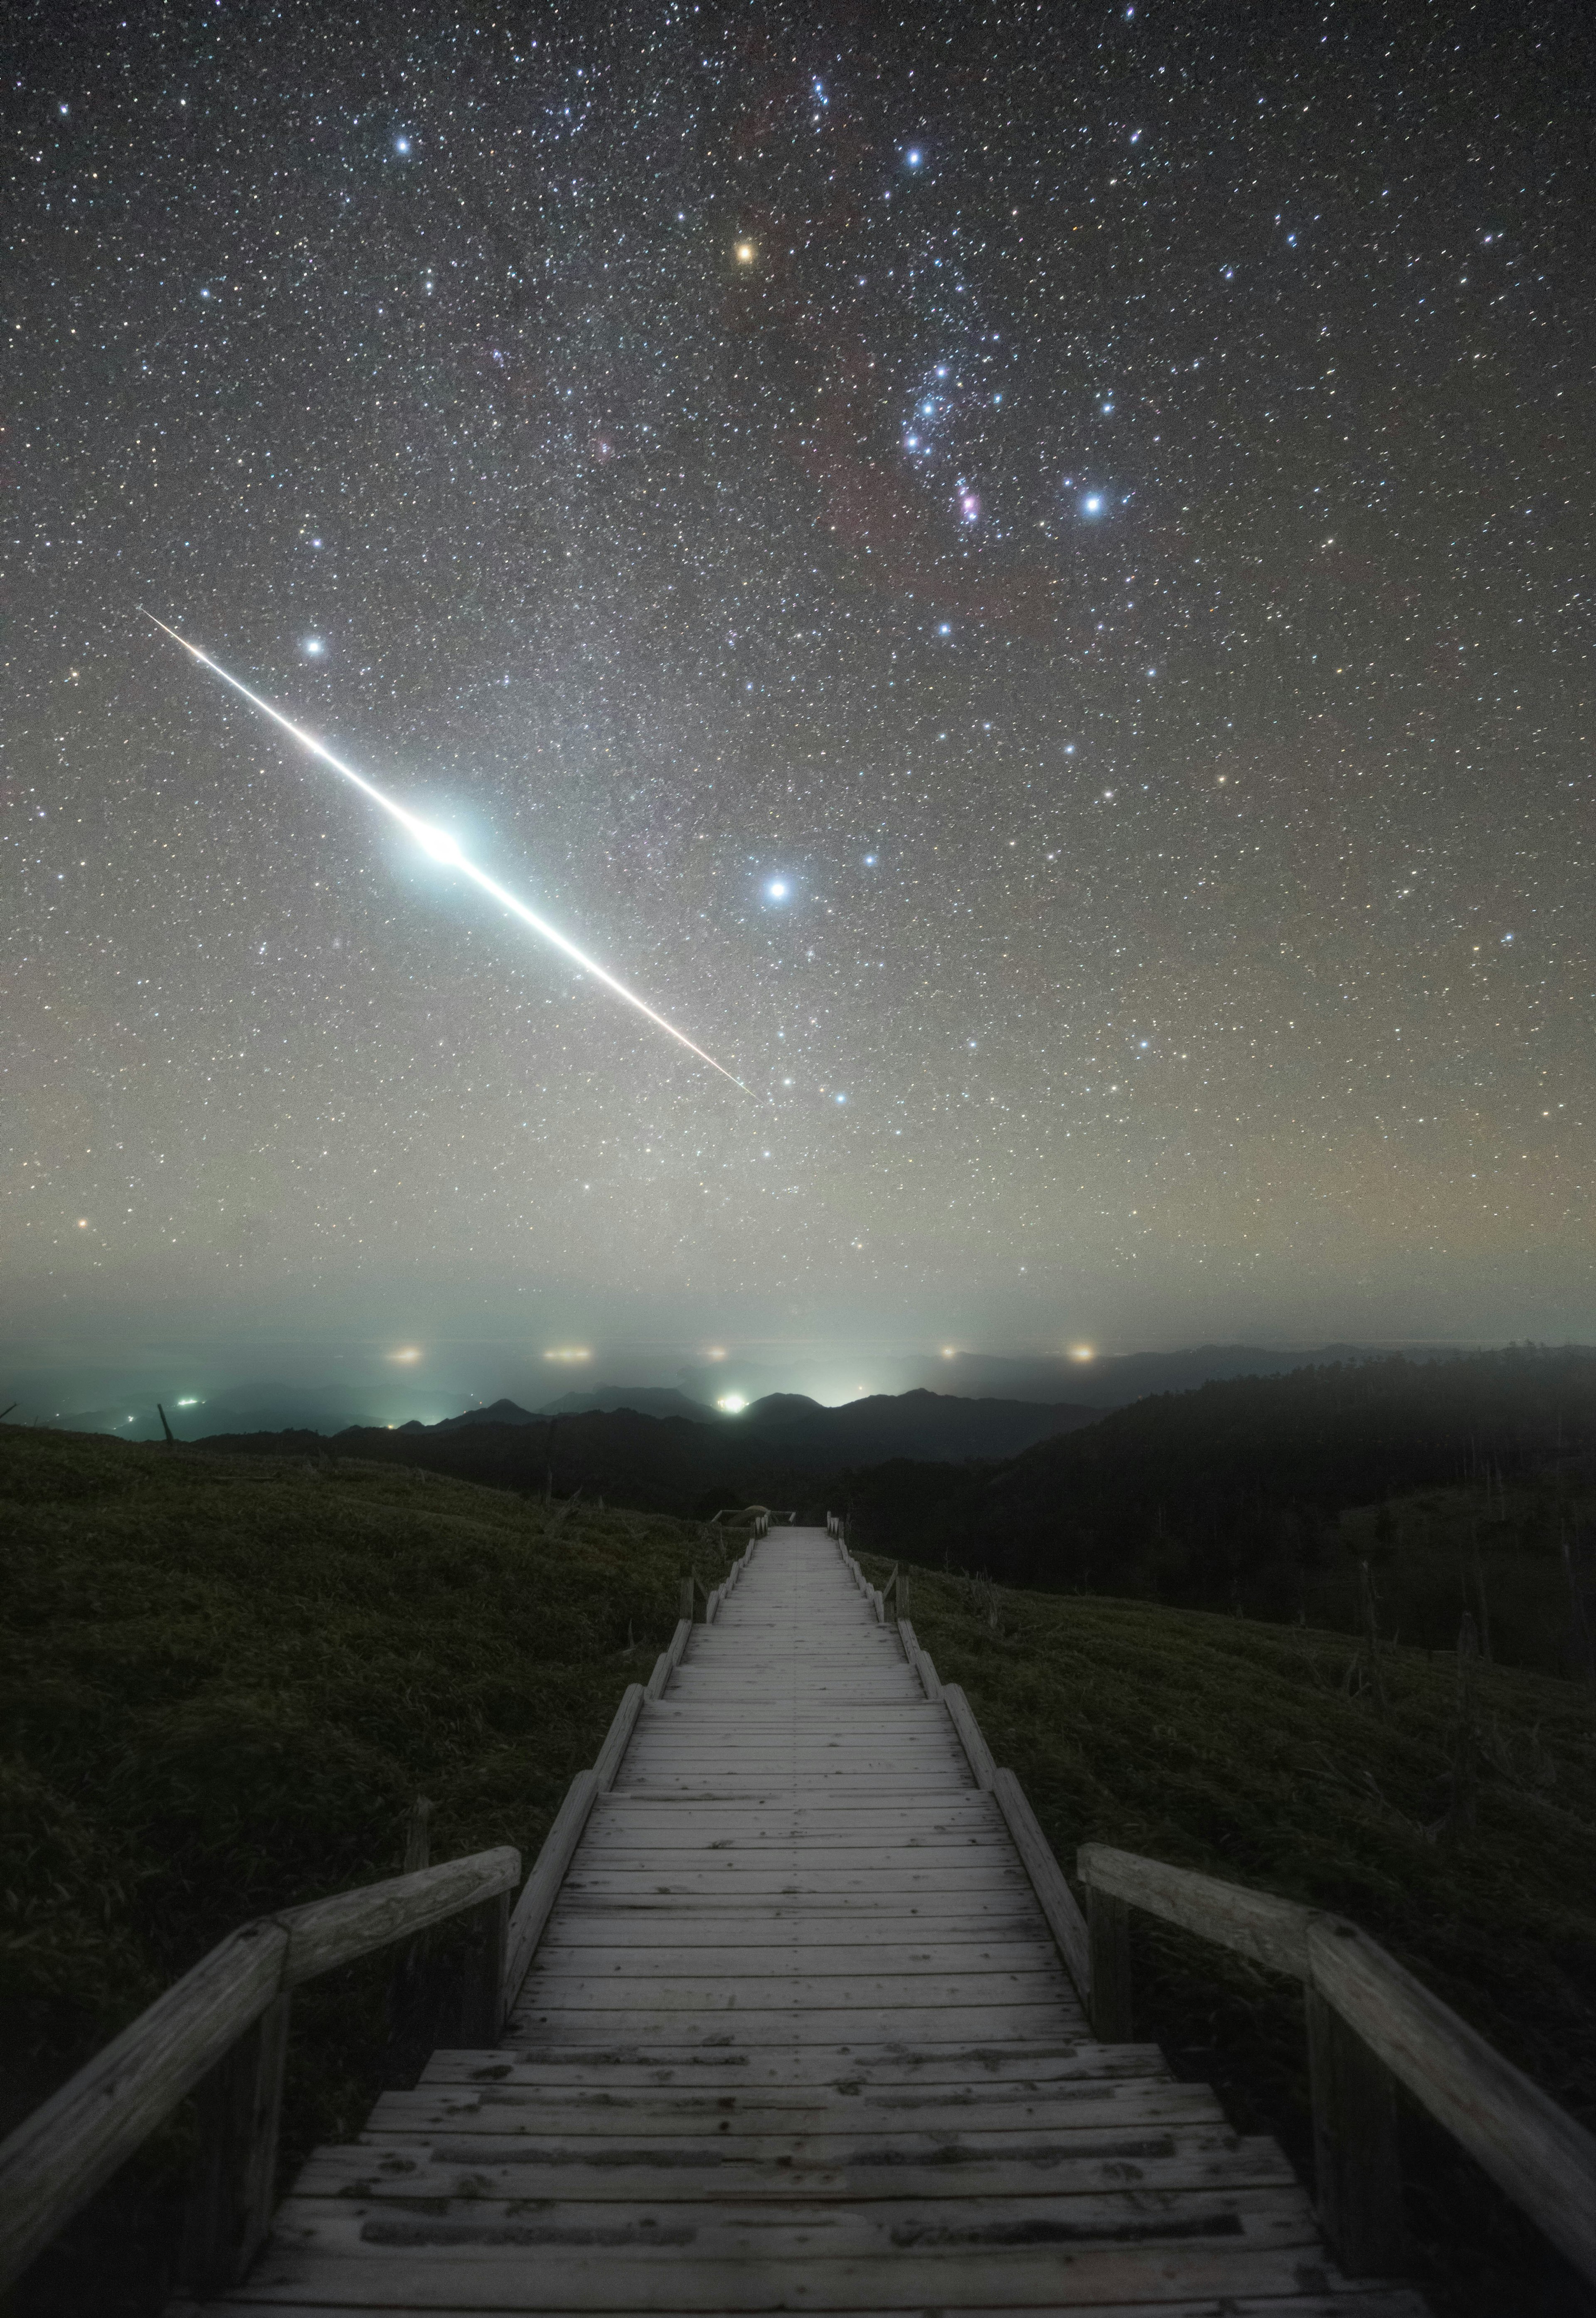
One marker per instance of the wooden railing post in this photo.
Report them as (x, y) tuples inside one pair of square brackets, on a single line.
[(1108, 1935), (684, 1600), (1358, 2171), (233, 2184), (482, 1971)]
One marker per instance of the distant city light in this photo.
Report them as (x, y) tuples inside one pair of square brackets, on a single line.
[(950, 1352), (1083, 1352), (406, 1352), (716, 1353), (568, 1353), (191, 1402), (732, 1403)]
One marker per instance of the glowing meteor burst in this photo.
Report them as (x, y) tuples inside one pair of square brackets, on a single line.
[(443, 848)]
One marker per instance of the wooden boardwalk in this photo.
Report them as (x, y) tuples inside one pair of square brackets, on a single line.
[(796, 2038)]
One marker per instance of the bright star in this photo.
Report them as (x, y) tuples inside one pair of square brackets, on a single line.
[(776, 891), (1092, 505), (913, 157), (401, 144), (313, 647)]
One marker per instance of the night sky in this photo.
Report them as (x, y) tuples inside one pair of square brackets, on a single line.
[(1022, 574)]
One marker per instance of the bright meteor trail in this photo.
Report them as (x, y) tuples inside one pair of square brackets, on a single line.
[(442, 848)]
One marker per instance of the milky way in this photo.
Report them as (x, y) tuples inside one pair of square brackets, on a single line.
[(1026, 571)]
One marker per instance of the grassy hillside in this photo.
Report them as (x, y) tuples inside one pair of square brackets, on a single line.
[(1268, 1754), (225, 1681)]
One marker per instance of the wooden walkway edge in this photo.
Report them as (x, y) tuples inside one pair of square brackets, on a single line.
[(793, 2030)]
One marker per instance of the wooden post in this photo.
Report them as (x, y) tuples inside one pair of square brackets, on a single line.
[(684, 1600), (1108, 1934), (482, 1971), (1356, 2168), (232, 2188), (418, 1835)]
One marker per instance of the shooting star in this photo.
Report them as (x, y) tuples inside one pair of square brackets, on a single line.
[(443, 848)]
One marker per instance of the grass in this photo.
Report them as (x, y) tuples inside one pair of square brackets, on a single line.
[(1244, 1750), (227, 1680)]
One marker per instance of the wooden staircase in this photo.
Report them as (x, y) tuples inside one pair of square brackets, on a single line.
[(797, 2036)]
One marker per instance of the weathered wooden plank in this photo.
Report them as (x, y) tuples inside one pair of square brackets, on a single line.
[(541, 1888), (859, 2073), (865, 1909), (1263, 2216), (1349, 2303), (988, 2024), (670, 1658), (911, 1714), (788, 1923), (322, 2256), (702, 1992), (1271, 1931), (608, 1759), (981, 1766), (1363, 2301), (807, 2164), (962, 1876), (1543, 2159), (1058, 1904), (1151, 2108), (328, 1933), (794, 1855), (58, 2156), (779, 1961)]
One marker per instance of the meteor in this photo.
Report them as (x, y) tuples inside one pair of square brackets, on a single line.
[(443, 848)]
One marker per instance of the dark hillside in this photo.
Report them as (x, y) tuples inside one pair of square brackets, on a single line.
[(783, 1449), (1478, 1472), (225, 1681), (1237, 1747)]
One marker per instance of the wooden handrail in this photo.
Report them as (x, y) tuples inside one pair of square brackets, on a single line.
[(1371, 2023), (56, 2159)]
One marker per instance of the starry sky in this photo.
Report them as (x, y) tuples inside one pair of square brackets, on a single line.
[(1023, 574)]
